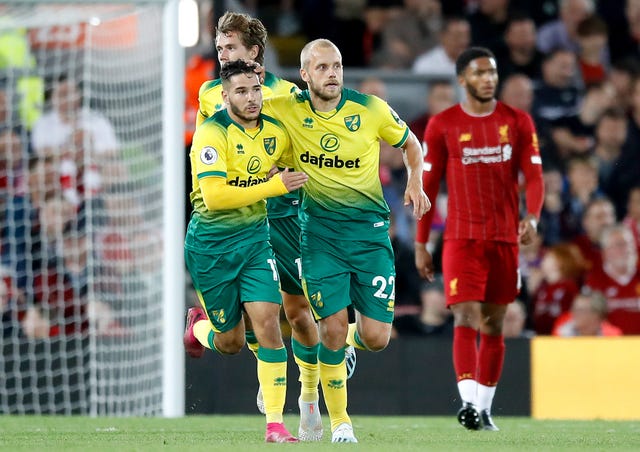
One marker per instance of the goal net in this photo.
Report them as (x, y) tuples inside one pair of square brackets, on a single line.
[(81, 199)]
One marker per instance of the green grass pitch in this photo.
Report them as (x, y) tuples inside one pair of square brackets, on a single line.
[(245, 433)]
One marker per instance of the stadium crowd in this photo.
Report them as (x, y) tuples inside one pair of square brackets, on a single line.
[(572, 64)]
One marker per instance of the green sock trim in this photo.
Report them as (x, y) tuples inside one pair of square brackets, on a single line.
[(358, 341), (304, 353), (329, 356), (210, 341), (270, 355), (250, 337)]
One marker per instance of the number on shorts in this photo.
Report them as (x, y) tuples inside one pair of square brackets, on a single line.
[(382, 283), (274, 269)]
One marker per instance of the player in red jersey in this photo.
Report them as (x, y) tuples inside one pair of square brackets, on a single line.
[(480, 145)]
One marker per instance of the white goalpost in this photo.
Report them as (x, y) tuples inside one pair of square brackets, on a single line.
[(92, 276)]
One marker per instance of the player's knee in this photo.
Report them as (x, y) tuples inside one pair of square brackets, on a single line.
[(375, 342), (301, 320), (230, 345)]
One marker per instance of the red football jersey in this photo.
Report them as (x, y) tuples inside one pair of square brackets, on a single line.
[(623, 299), (550, 302), (482, 157)]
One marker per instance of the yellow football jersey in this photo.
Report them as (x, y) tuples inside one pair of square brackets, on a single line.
[(340, 151), (210, 95), (223, 148), (210, 99)]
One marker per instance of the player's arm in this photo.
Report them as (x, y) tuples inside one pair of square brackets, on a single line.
[(395, 131), (414, 193), (433, 168), (531, 167), (218, 195)]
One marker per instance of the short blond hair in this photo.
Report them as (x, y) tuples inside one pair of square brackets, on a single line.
[(305, 53)]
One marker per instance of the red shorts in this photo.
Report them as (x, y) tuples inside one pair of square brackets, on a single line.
[(479, 270)]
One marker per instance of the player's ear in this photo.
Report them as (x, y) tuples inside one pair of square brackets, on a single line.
[(253, 52), (303, 75)]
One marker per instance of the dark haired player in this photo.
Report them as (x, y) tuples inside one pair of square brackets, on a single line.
[(481, 145)]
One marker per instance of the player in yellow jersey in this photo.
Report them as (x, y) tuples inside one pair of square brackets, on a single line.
[(346, 251), (227, 249), (239, 36)]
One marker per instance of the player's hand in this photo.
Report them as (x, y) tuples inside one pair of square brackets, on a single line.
[(273, 171), (293, 179), (424, 262), (260, 70), (416, 196), (527, 229)]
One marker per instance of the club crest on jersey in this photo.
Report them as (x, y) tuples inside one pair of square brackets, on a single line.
[(208, 155), (503, 131), (269, 145), (352, 122)]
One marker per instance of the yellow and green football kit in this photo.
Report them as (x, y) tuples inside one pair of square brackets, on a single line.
[(227, 250), (282, 210), (346, 251)]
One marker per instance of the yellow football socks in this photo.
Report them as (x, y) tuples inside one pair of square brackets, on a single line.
[(333, 376), (272, 375), (307, 360), (353, 338)]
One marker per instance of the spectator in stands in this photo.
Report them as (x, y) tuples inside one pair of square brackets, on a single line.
[(625, 173), (25, 89), (591, 35), (632, 220), (556, 95), (582, 188), (588, 317), (13, 157), (562, 32), (10, 300), (408, 34), (610, 135), (529, 266), (515, 320), (598, 214), (541, 11), (562, 269), (621, 76), (625, 37), (83, 139), (67, 118), (517, 91), (489, 22), (618, 278), (573, 135), (518, 52), (454, 38), (377, 14), (420, 308), (551, 216), (440, 96)]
